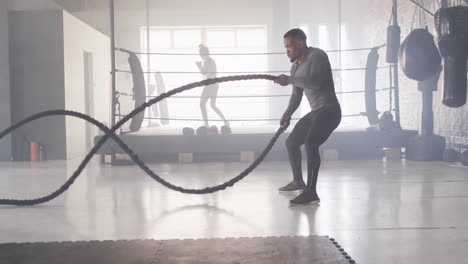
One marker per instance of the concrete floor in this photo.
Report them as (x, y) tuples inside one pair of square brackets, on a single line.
[(380, 212)]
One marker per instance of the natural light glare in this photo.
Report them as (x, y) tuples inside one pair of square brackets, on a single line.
[(324, 37), (220, 38), (187, 38), (180, 70), (252, 37), (159, 39)]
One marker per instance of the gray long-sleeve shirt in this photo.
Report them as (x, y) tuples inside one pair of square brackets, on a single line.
[(314, 77)]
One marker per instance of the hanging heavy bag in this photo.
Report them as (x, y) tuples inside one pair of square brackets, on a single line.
[(393, 43), (451, 26), (370, 83), (419, 57), (139, 90), (163, 107)]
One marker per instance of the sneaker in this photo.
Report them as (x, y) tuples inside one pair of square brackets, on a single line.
[(293, 186), (307, 197)]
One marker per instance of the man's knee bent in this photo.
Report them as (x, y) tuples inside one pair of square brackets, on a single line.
[(312, 147), (291, 143)]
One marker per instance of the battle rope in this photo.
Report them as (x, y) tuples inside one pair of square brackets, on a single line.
[(110, 133)]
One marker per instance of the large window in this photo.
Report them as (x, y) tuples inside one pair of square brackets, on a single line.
[(177, 70)]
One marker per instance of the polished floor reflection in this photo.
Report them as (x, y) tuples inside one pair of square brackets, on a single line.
[(380, 212)]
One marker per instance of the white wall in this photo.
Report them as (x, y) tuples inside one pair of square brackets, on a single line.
[(5, 143), (78, 38)]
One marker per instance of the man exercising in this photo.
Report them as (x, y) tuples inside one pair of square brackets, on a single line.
[(310, 73)]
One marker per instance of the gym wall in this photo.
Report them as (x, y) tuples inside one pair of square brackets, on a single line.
[(47, 72), (5, 143)]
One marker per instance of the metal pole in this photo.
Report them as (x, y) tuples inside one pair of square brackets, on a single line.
[(113, 70), (397, 95), (395, 72)]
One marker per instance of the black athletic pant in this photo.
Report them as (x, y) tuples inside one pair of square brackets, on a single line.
[(312, 130)]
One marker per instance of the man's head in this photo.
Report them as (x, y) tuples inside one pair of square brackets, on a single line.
[(203, 51), (295, 42)]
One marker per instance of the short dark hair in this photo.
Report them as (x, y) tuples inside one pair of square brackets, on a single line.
[(297, 34)]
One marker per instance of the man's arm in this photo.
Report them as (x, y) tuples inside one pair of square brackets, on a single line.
[(294, 102)]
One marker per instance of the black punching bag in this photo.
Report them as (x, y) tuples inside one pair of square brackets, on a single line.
[(451, 26), (419, 57), (393, 43)]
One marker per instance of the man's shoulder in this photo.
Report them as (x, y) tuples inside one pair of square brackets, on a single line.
[(317, 53)]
